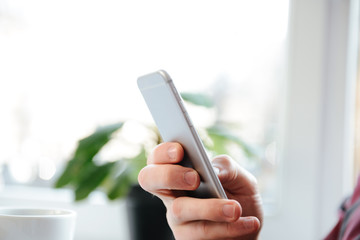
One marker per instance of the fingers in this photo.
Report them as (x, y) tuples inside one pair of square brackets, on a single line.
[(156, 178), (192, 218), (168, 152), (186, 209), (215, 230)]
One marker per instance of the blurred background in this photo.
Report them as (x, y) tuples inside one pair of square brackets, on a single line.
[(284, 72)]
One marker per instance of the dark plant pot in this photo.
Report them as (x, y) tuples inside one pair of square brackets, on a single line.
[(147, 216)]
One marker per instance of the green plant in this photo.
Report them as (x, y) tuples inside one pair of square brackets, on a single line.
[(85, 172)]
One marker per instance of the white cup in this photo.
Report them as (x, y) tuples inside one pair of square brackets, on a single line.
[(36, 224)]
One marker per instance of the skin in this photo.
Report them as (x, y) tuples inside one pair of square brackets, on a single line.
[(239, 217)]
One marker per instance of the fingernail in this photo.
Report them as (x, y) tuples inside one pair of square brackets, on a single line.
[(229, 210), (190, 178), (249, 223), (172, 153)]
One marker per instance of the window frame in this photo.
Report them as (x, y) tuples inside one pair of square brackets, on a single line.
[(318, 121)]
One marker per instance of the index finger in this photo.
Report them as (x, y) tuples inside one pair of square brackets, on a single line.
[(165, 153)]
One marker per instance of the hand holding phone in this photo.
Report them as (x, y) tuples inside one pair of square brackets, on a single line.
[(174, 124)]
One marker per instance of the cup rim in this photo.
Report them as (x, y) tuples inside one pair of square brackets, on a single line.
[(41, 212)]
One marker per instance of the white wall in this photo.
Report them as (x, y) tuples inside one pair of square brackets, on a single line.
[(318, 127)]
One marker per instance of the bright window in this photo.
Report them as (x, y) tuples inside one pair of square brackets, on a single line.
[(69, 66)]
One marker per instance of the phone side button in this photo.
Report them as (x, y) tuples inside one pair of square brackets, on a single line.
[(188, 119), (181, 103), (177, 96)]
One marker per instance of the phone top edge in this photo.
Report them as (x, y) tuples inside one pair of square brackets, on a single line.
[(165, 75), (153, 79)]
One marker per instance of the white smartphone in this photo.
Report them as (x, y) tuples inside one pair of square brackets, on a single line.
[(174, 124)]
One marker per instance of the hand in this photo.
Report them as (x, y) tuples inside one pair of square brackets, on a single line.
[(238, 217)]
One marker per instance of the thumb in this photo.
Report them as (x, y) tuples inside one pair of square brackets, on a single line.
[(234, 178)]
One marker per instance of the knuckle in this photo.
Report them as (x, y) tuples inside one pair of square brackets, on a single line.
[(253, 180), (167, 177), (231, 231), (152, 155), (141, 178), (181, 234), (224, 160), (176, 210), (205, 228), (156, 152)]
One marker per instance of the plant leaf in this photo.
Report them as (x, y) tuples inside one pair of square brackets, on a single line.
[(198, 99), (129, 176), (222, 136), (218, 145), (92, 180), (121, 186), (87, 148)]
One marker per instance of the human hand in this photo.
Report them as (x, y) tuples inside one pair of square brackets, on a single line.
[(238, 217)]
